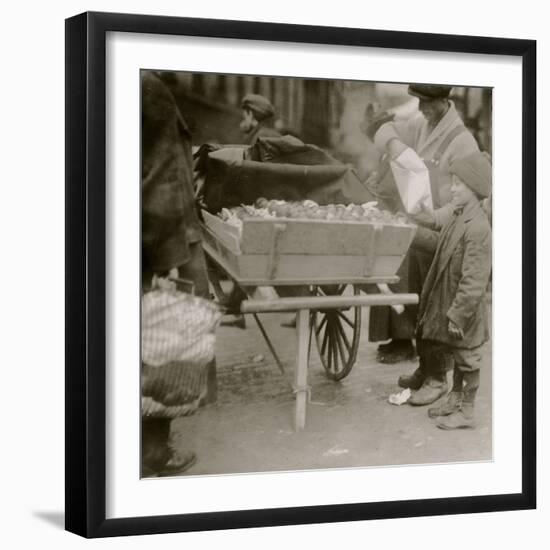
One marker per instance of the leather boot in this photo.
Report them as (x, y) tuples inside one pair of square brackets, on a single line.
[(290, 322), (432, 389), (179, 462), (155, 451), (428, 365), (236, 320), (396, 351), (454, 400), (463, 418), (413, 381)]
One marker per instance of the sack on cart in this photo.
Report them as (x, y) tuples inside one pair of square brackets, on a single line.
[(276, 168)]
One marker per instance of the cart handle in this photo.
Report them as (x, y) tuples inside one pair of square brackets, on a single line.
[(326, 302), (385, 289)]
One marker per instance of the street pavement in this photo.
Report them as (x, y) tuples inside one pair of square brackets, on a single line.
[(349, 423)]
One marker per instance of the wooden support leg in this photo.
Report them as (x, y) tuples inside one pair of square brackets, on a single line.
[(300, 370)]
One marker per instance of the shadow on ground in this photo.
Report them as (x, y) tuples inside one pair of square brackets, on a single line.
[(57, 519)]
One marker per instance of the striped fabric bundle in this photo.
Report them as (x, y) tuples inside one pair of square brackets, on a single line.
[(177, 327), (172, 390), (151, 409), (177, 344)]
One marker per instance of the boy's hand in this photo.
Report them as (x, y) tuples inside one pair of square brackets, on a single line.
[(455, 331), (424, 217)]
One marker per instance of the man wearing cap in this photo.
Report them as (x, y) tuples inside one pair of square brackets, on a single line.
[(257, 121), (452, 311), (438, 136), (425, 134)]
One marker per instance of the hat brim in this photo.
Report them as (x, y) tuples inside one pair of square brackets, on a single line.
[(420, 95), (416, 94), (424, 96)]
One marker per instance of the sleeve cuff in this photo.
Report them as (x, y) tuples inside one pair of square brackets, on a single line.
[(443, 215), (456, 319), (385, 133)]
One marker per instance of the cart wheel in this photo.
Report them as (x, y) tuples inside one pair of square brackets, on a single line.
[(337, 333)]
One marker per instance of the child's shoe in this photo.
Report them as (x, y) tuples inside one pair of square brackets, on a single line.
[(413, 381), (432, 389), (451, 405), (463, 418)]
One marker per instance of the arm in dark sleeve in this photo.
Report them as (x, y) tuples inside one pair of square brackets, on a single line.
[(163, 223), (476, 270), (425, 239)]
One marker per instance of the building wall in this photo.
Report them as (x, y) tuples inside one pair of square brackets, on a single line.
[(325, 113)]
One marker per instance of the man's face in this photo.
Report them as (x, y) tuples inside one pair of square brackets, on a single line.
[(248, 122), (432, 109), (460, 192)]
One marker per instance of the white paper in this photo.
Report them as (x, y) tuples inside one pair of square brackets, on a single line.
[(412, 179)]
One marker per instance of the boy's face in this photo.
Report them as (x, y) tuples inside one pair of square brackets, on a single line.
[(248, 122), (460, 192)]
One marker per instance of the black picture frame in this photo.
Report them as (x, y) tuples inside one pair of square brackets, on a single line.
[(86, 285)]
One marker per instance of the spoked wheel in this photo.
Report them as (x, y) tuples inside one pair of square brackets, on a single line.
[(337, 333)]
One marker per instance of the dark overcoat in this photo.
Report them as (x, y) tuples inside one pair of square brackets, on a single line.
[(456, 284), (169, 219), (262, 130)]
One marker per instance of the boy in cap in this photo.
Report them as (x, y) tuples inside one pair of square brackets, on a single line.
[(452, 311), (257, 121), (438, 136)]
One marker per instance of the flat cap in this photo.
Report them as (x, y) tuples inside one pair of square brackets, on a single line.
[(475, 171), (259, 105), (429, 91)]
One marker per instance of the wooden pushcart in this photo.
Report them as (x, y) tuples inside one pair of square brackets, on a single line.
[(320, 270)]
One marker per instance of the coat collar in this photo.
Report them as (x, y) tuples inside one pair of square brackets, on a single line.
[(470, 210), (449, 119), (252, 137)]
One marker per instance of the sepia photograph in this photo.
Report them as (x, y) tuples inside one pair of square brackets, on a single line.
[(316, 273)]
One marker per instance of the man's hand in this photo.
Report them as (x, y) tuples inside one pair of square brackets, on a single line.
[(372, 122), (395, 147), (199, 202), (373, 180), (425, 217), (455, 331)]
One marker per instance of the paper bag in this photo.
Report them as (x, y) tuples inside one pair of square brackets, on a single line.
[(412, 179)]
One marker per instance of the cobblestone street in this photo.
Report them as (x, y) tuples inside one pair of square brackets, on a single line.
[(349, 423)]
